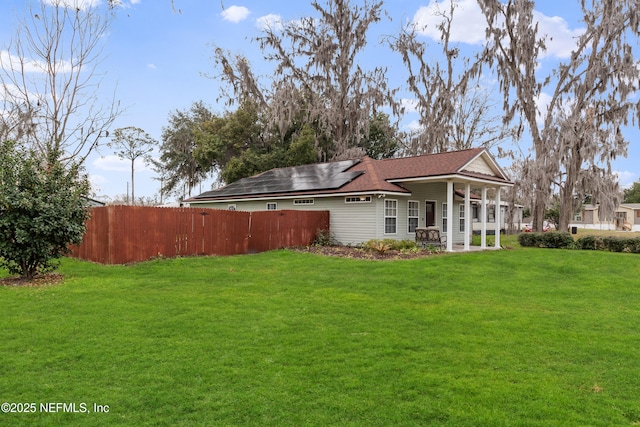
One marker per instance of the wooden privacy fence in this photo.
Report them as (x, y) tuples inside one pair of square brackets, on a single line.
[(124, 234)]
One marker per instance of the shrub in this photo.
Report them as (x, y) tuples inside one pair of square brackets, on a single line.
[(381, 246), (587, 243), (553, 239), (608, 243), (325, 238), (400, 245), (42, 209), (377, 245)]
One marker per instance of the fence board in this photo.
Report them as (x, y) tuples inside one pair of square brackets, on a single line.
[(124, 234), (286, 228)]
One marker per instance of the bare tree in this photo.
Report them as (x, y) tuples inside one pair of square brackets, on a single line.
[(318, 73), (579, 134), (455, 112), (49, 79), (131, 143)]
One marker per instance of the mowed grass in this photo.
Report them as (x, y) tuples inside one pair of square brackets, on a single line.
[(523, 337)]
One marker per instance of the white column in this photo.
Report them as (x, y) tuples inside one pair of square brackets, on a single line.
[(467, 217), (449, 216), (498, 217), (483, 213)]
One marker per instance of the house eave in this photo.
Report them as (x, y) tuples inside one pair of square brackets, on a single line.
[(456, 178), (299, 196)]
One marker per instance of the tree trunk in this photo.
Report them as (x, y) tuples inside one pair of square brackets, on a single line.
[(566, 209), (538, 213)]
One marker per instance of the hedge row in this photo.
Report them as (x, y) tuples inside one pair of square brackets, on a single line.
[(564, 240), (546, 240), (608, 243)]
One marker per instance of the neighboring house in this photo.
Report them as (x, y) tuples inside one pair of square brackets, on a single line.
[(517, 222), (626, 218), (93, 203), (377, 199)]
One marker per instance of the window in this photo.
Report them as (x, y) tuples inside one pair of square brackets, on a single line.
[(461, 218), (303, 202), (491, 213), (444, 217), (475, 212), (357, 199), (272, 206), (578, 216), (413, 212), (390, 216)]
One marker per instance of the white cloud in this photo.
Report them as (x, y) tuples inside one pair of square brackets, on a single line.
[(626, 178), (414, 126), (151, 66), (270, 21), (468, 26), (96, 182), (113, 163), (561, 40), (235, 14), (410, 105), (542, 103), (11, 62)]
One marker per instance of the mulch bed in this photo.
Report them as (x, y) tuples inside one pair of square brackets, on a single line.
[(40, 280), (359, 253)]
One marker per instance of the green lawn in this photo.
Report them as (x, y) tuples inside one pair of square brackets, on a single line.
[(523, 337)]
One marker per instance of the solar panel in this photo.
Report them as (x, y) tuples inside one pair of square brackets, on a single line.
[(323, 176)]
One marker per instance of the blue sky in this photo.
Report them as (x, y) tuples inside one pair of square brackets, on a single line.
[(156, 57)]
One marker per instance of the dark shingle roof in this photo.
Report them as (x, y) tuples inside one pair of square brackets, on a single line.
[(322, 176), (350, 176)]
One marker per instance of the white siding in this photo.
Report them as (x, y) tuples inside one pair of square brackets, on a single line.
[(480, 165), (351, 223), (433, 192), (354, 223)]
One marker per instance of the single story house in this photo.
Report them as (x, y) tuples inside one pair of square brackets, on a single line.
[(378, 199), (626, 218)]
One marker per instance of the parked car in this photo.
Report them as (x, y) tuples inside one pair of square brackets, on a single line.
[(528, 228)]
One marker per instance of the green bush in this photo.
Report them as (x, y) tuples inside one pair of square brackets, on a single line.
[(384, 245), (553, 239), (608, 243), (325, 238), (400, 245), (587, 243), (42, 209)]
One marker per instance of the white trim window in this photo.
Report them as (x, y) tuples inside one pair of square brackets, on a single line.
[(357, 199), (390, 216), (303, 202), (444, 217), (272, 206), (413, 215), (461, 217)]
